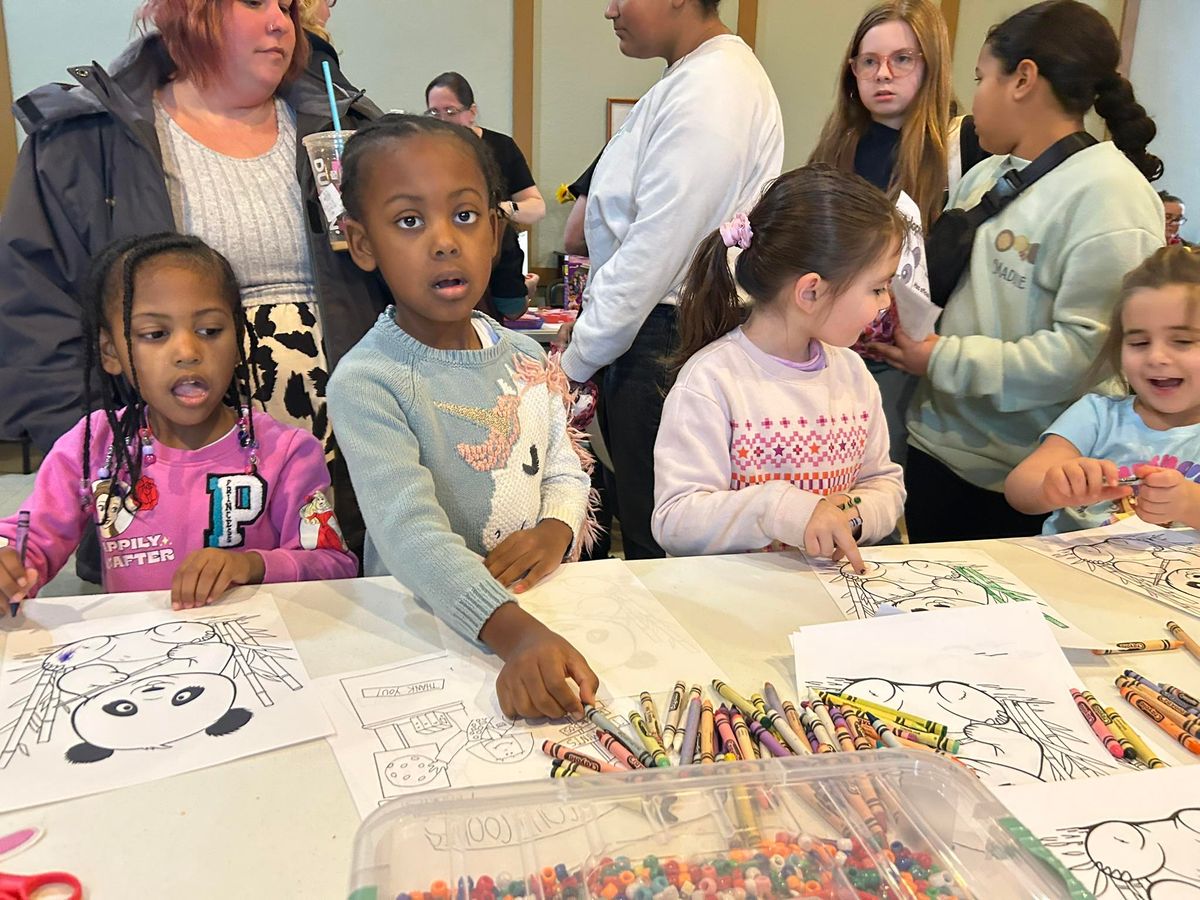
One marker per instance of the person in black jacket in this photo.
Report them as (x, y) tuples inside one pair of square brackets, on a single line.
[(94, 169)]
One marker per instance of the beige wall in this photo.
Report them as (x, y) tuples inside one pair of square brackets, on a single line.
[(577, 67)]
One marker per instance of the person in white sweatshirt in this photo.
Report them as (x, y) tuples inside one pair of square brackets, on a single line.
[(699, 146), (773, 433), (1031, 312)]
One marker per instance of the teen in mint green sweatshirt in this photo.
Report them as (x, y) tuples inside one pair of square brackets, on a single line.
[(1030, 314)]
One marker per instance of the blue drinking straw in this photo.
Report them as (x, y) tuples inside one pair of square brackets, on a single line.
[(337, 122)]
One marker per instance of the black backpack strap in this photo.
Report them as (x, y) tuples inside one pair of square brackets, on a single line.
[(1010, 185)]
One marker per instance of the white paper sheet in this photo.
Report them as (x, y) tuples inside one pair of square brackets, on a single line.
[(918, 314), (630, 640), (993, 676), (931, 578), (433, 722), (105, 703), (1138, 837), (1160, 563)]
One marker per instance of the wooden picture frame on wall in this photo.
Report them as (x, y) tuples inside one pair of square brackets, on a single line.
[(617, 110)]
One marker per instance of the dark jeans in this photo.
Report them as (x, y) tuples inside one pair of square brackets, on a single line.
[(635, 386), (943, 507)]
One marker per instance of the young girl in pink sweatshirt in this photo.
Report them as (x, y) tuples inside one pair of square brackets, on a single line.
[(187, 488)]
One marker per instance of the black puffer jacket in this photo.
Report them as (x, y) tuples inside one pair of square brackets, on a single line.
[(91, 172)]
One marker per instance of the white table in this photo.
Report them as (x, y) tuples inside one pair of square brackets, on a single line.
[(282, 824)]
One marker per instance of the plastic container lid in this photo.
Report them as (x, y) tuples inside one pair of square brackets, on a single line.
[(890, 823)]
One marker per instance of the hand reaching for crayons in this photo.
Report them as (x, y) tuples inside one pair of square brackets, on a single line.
[(537, 664), (830, 534)]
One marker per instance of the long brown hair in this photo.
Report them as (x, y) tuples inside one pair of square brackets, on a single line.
[(922, 159), (813, 219)]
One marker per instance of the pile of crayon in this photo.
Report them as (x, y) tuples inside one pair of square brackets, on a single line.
[(1172, 709), (789, 866), (697, 732)]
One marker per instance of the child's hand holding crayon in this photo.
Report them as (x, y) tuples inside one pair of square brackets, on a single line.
[(16, 580), (1082, 482), (1166, 496), (537, 664)]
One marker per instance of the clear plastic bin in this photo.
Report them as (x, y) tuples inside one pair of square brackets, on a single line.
[(881, 824)]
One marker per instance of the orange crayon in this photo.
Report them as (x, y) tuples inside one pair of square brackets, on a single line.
[(1140, 647), (1145, 706)]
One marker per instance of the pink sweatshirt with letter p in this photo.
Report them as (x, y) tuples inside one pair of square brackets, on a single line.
[(187, 500)]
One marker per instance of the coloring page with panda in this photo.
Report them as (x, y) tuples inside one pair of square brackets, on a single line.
[(992, 676), (929, 578), (105, 703), (1138, 838)]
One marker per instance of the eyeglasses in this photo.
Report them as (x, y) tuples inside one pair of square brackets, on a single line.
[(1176, 220), (900, 63), (446, 112), (331, 3)]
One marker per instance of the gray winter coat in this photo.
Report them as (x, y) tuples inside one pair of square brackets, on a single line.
[(91, 172)]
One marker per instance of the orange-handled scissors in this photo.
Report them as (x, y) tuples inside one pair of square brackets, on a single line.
[(26, 887)]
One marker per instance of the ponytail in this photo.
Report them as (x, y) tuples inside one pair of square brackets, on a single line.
[(1126, 119), (708, 302), (814, 219), (1077, 52)]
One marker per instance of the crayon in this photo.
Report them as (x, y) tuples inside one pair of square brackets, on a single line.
[(1139, 647), (821, 711), (650, 714), (560, 751), (691, 731), (649, 741), (839, 727), (821, 737), (855, 726), (765, 738), (22, 545), (674, 711), (724, 728), (1127, 748), (1156, 715), (1153, 686), (707, 732), (915, 723), (1182, 697), (756, 708), (792, 732), (1176, 713), (693, 694), (1111, 744), (742, 733), (886, 735), (1144, 753), (1192, 647), (604, 723), (622, 754), (561, 768)]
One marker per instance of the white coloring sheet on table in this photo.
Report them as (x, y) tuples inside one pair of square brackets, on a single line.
[(627, 636), (1160, 563), (105, 703), (992, 675), (1138, 838), (434, 722), (927, 578)]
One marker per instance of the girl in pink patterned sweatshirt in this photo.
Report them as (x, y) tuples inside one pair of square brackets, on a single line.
[(187, 488), (773, 433)]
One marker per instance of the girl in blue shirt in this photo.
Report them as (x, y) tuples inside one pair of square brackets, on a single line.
[(1106, 458)]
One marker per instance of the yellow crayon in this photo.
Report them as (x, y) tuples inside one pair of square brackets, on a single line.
[(915, 723), (707, 732), (1144, 753), (649, 741), (650, 714)]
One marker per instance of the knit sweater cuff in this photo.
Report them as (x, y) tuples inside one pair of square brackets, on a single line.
[(476, 606), (792, 515), (570, 512)]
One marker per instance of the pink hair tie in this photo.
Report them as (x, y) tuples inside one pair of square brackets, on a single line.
[(737, 232)]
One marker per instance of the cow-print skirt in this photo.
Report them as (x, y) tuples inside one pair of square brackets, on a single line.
[(290, 362)]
